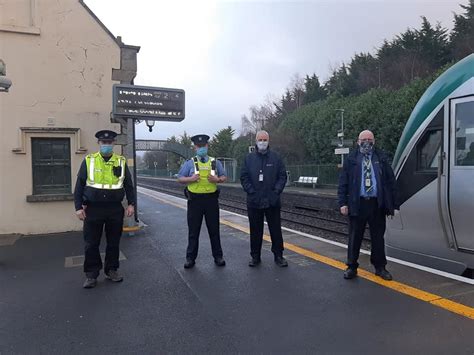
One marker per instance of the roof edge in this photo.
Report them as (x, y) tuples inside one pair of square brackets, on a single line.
[(101, 24), (117, 40)]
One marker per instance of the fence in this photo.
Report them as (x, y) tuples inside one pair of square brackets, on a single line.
[(327, 174), (230, 166)]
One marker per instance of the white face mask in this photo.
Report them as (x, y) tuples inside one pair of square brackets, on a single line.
[(262, 146)]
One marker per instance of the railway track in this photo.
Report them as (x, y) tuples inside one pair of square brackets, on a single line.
[(295, 219)]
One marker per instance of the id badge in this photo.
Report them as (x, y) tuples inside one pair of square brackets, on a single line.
[(368, 182), (260, 177)]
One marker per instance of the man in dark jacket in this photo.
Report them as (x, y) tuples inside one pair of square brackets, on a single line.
[(102, 182), (263, 178), (367, 194)]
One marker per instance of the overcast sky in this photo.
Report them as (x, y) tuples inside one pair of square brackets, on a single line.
[(228, 56)]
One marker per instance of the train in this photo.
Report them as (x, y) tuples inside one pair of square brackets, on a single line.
[(434, 168)]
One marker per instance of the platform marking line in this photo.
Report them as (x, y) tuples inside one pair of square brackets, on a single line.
[(431, 298), (394, 285)]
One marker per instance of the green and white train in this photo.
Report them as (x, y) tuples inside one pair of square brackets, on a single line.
[(434, 166)]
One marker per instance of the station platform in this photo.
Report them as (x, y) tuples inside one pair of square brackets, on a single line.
[(163, 308)]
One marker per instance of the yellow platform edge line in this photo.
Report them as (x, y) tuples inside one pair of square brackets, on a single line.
[(431, 298)]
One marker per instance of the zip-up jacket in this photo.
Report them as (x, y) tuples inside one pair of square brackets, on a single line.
[(350, 182), (266, 193)]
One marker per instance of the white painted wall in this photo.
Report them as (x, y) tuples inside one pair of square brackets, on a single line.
[(60, 61)]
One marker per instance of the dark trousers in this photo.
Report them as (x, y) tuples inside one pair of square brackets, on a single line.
[(256, 215), (207, 207), (370, 213), (98, 216)]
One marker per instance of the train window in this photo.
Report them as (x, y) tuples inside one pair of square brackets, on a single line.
[(465, 134), (428, 150)]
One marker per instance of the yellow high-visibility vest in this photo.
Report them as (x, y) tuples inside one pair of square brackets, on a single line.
[(100, 173), (203, 186)]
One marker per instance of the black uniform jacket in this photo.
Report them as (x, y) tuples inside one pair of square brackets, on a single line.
[(266, 193), (84, 195), (350, 182)]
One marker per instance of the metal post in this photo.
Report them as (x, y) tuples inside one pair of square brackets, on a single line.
[(342, 136), (129, 151)]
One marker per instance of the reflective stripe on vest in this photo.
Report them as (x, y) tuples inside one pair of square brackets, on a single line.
[(203, 186), (91, 176), (213, 166)]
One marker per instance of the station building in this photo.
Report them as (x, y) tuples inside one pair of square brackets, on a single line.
[(62, 62)]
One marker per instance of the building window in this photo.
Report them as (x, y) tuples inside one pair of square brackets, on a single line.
[(51, 166)]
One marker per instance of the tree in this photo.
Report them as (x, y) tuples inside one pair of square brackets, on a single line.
[(340, 84), (240, 148), (462, 36), (140, 162), (313, 90), (413, 54), (185, 140), (296, 90), (434, 47), (221, 143), (365, 71), (151, 157), (259, 115), (174, 160)]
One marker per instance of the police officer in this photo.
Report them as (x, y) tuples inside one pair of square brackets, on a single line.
[(201, 174), (102, 181), (367, 194)]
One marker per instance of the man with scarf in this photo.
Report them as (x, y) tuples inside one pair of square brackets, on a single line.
[(263, 178), (201, 174), (367, 194), (102, 182)]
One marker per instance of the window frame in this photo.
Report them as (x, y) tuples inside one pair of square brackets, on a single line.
[(419, 168), (66, 162)]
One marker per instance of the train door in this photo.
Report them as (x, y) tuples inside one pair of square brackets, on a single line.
[(461, 171)]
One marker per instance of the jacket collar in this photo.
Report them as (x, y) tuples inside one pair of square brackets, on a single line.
[(262, 154), (377, 154)]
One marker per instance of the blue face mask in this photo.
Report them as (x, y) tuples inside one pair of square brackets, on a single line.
[(106, 149), (202, 152)]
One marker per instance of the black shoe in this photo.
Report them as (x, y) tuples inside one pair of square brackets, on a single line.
[(189, 264), (90, 283), (219, 261), (350, 273), (113, 275), (254, 262), (281, 261), (384, 274)]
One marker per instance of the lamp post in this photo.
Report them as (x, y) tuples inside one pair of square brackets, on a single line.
[(341, 134)]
